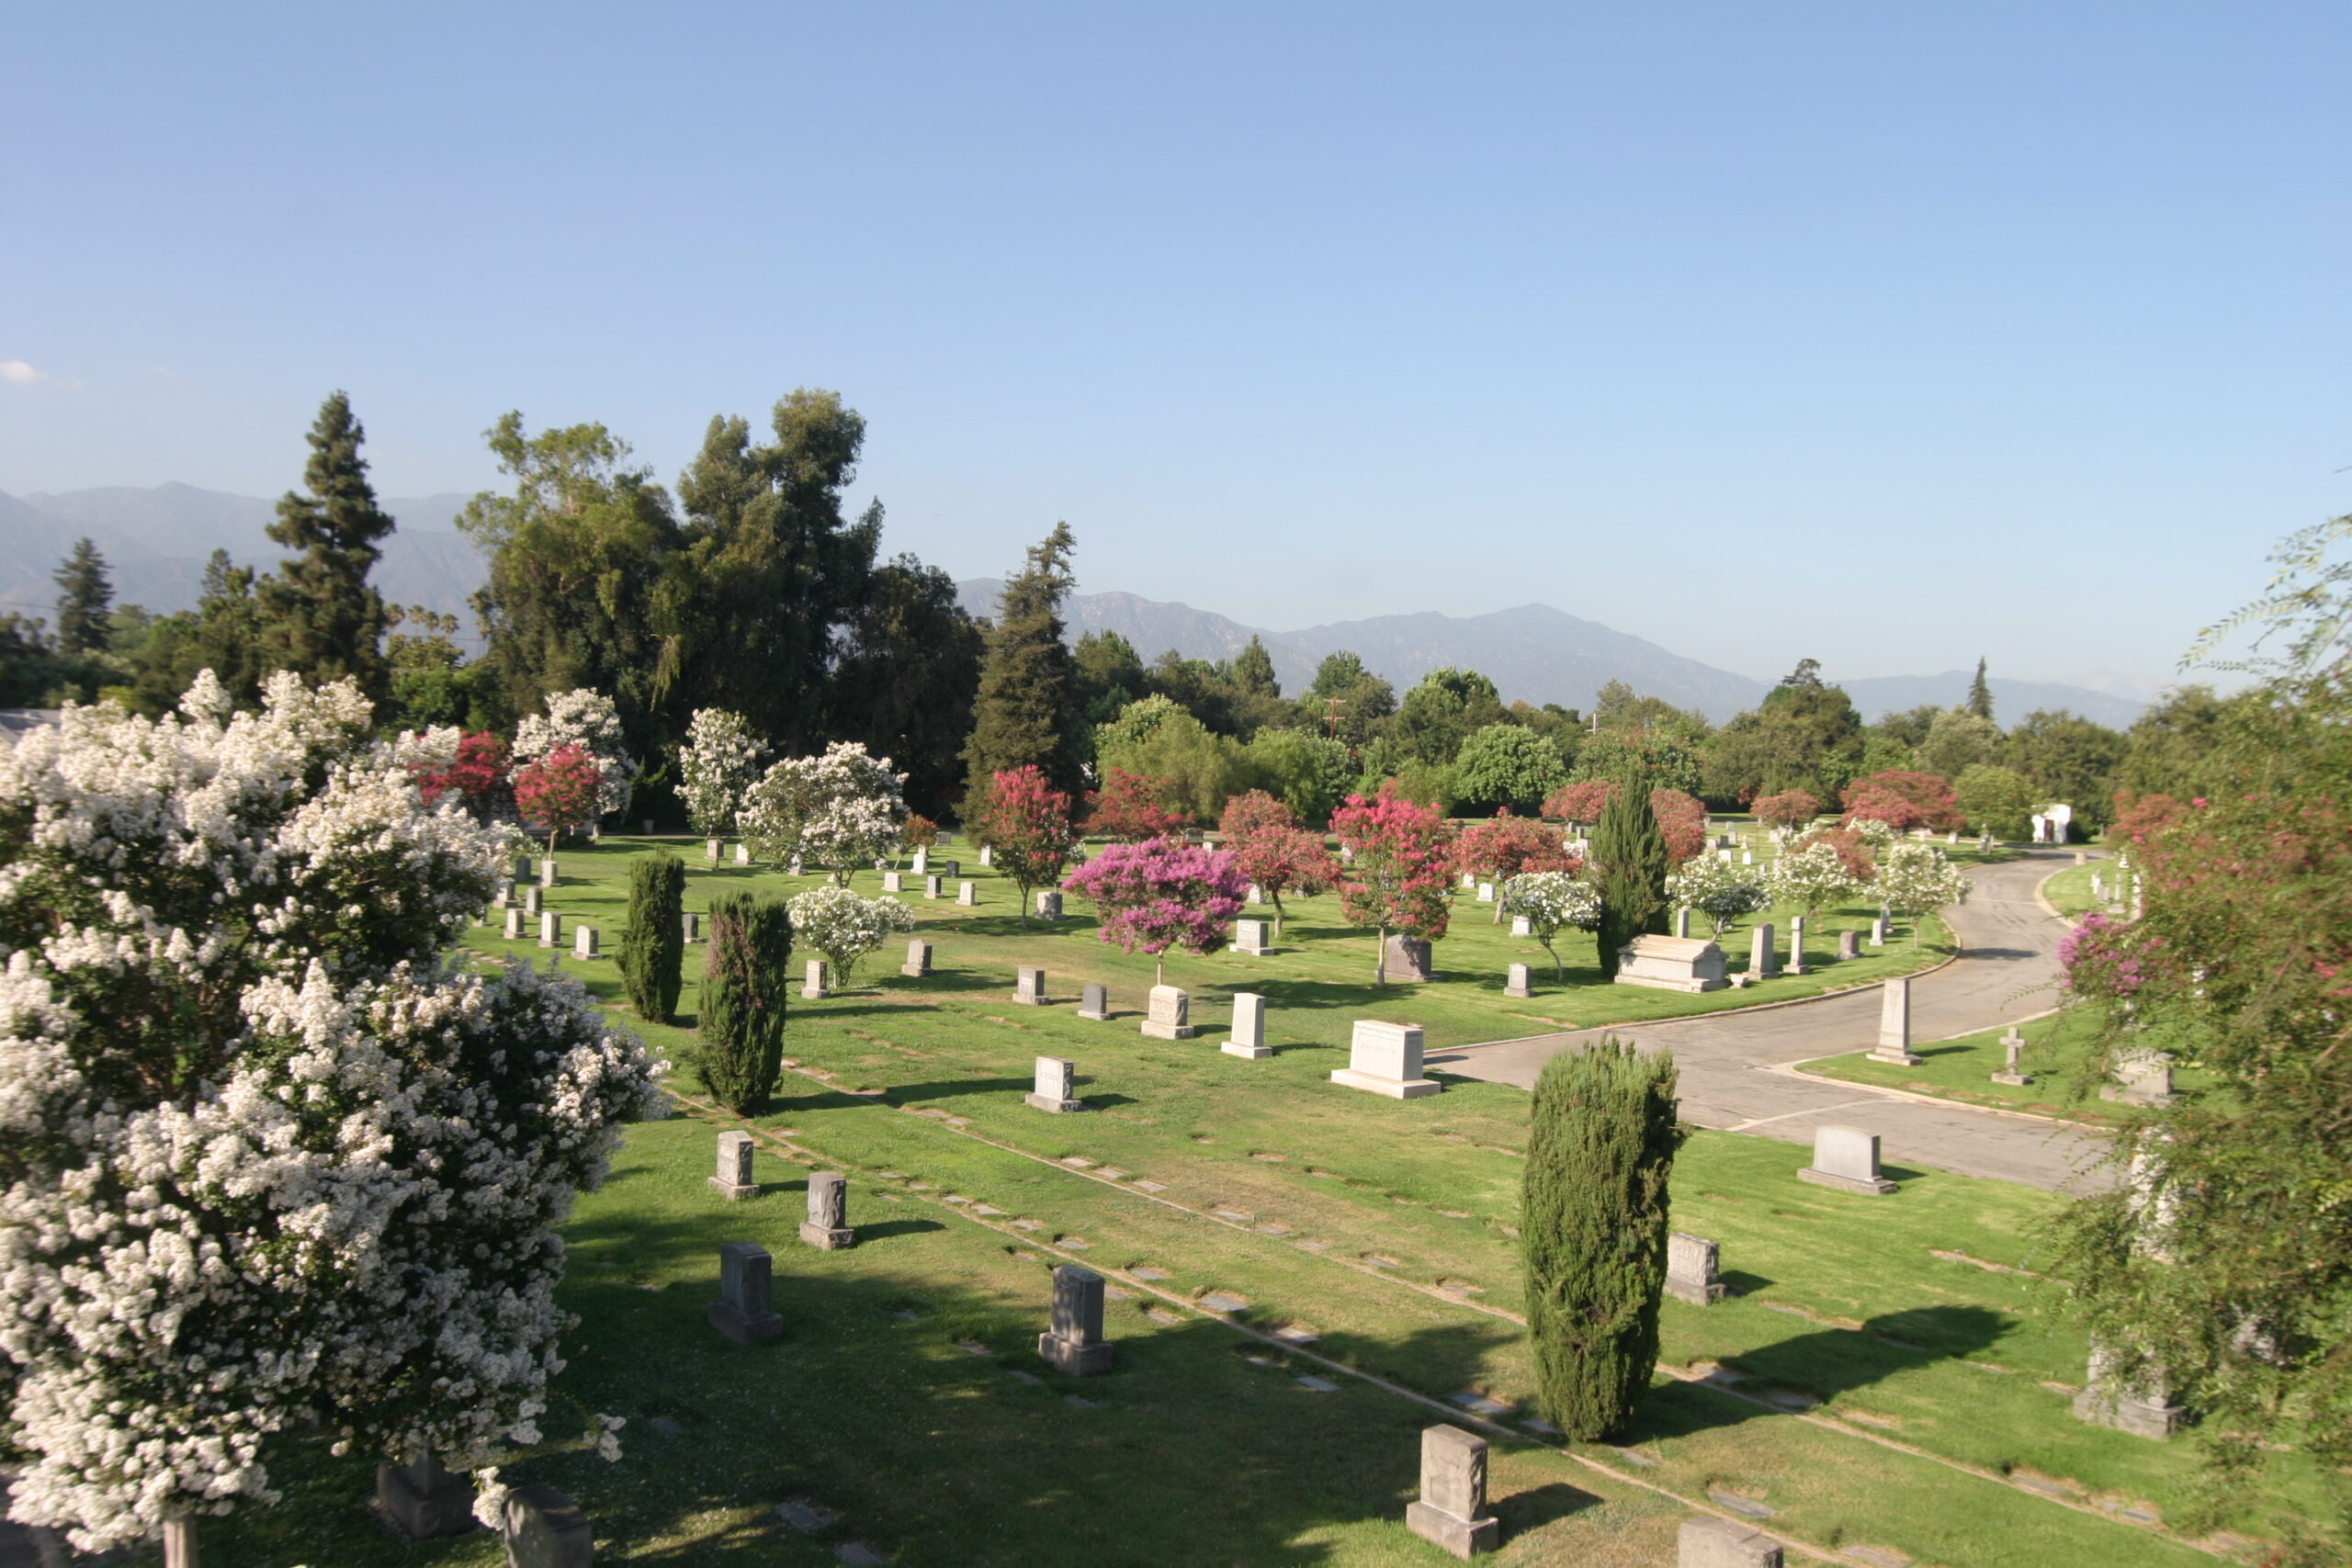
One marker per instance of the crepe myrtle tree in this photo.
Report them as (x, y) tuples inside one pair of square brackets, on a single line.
[(587, 719), (1717, 890), (1916, 880), (1026, 823), (844, 926), (1399, 873), (1790, 809), (1552, 901), (266, 1157), (559, 793), (1161, 894), (716, 766), (839, 811), (1501, 847), (1275, 854)]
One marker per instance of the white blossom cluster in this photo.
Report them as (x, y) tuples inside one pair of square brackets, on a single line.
[(1717, 890), (844, 926), (1552, 899), (839, 811), (1875, 832), (1809, 878), (263, 1158), (1916, 879), (588, 719), (716, 765)]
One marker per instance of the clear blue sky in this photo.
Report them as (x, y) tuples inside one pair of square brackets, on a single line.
[(1888, 334)]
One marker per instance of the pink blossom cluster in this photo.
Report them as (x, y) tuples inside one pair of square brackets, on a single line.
[(1162, 893)]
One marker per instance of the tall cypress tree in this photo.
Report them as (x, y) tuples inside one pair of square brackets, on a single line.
[(1027, 708), (85, 597), (743, 988), (321, 618), (653, 945), (1980, 694), (1592, 1231), (1629, 867)]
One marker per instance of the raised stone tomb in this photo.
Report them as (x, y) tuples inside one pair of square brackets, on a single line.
[(1672, 963), (1386, 1058)]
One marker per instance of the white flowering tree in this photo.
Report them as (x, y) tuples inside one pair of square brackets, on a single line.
[(716, 765), (844, 926), (1552, 901), (1914, 880), (262, 1156), (587, 719), (1809, 878), (839, 811), (1717, 890)]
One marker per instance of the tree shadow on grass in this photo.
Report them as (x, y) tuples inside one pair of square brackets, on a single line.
[(951, 1088)]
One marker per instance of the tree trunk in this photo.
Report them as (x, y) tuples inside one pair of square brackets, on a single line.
[(1277, 898), (179, 1543), (1380, 960)]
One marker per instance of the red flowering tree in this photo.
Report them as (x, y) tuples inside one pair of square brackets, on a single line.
[(2140, 818), (475, 775), (1128, 807), (1790, 809), (1580, 802), (1247, 812), (1683, 819), (1400, 876), (1161, 894), (1904, 801), (1273, 852), (1503, 846), (1854, 851), (1025, 822), (922, 833), (558, 793)]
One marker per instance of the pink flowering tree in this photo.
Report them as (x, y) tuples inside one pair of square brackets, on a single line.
[(1161, 894), (1025, 822), (1399, 873), (559, 793)]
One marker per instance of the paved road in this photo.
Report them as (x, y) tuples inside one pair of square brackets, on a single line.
[(1736, 1066)]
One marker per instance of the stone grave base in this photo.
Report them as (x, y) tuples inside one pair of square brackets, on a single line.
[(1103, 1017), (2015, 1080), (1521, 991), (1880, 1188), (734, 1192), (826, 1237), (1696, 1294), (1689, 987), (1169, 1030), (1395, 1089), (1461, 1538), (1073, 1360), (1897, 1058), (1020, 1000), (1247, 1053), (442, 1505), (1046, 1102), (739, 1328), (2121, 1094), (915, 971), (1720, 1543), (2141, 1418)]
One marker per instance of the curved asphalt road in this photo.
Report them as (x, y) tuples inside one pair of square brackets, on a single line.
[(1736, 1072)]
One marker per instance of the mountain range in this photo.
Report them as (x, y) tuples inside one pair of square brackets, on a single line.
[(156, 541)]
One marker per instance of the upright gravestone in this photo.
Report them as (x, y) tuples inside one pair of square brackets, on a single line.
[(1448, 1513), (533, 901), (1469, 880), (1029, 986), (1094, 1002), (2098, 885), (742, 854), (1247, 1040), (2140, 1405), (1485, 893), (584, 942), (547, 871), (1256, 894), (1849, 945), (968, 894), (424, 1500), (1386, 1058), (987, 854), (1522, 926), (1690, 1270), (741, 1314), (1050, 904), (918, 963), (1879, 928), (1515, 982), (827, 1225), (1074, 1346), (1710, 1542), (812, 989), (550, 929), (2082, 857), (1171, 1015), (2012, 1048), (503, 894), (1847, 1159), (514, 925), (1408, 958), (1682, 923), (2142, 1078), (932, 887), (1747, 857), (922, 862), (690, 926), (893, 882), (1796, 945), (546, 1530), (710, 851), (1057, 1088), (1763, 963), (733, 1176), (1253, 937), (1895, 1024)]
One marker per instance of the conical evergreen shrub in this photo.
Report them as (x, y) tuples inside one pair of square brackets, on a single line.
[(1629, 867), (1592, 1231), (653, 945), (745, 981)]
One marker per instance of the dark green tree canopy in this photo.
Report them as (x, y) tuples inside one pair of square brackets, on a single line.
[(85, 597), (1441, 710), (1027, 709), (321, 617), (909, 668)]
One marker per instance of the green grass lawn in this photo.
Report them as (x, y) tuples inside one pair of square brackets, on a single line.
[(1889, 1372), (2069, 891), (1963, 1070)]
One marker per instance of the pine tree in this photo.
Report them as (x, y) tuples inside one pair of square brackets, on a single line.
[(743, 989), (1629, 867), (1980, 695), (1592, 1231), (653, 946), (1027, 712), (85, 597), (323, 619)]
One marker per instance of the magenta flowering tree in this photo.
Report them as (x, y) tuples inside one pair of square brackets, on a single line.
[(1161, 893), (2102, 958)]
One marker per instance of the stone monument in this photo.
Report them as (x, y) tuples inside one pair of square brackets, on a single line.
[(1763, 963), (1074, 1346), (1672, 963), (2142, 1078), (2144, 1408), (424, 1500), (1849, 945), (1386, 1058), (1094, 1002), (1847, 1159), (1050, 904), (1249, 1038), (734, 1176), (546, 1530), (827, 1225), (1690, 1265), (1515, 982), (741, 1313), (812, 989), (893, 882), (1170, 1017), (1522, 926), (2012, 1047), (968, 894), (1710, 1543), (1895, 1024), (550, 929), (547, 871), (1057, 1088), (1408, 958), (1253, 937), (514, 925), (690, 927), (932, 887), (584, 942), (1796, 945), (1453, 1494), (1029, 986), (918, 963)]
